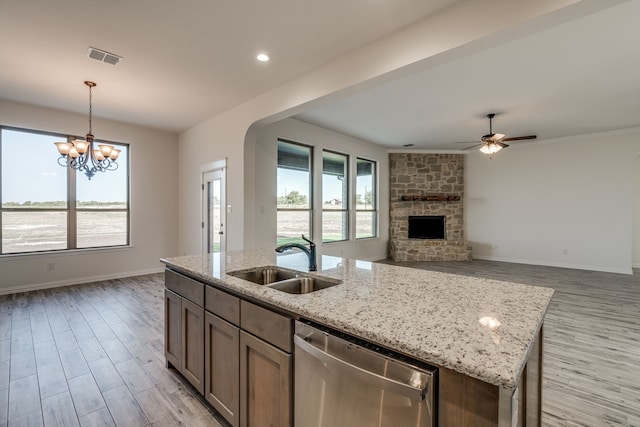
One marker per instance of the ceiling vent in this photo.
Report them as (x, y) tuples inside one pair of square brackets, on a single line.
[(103, 56)]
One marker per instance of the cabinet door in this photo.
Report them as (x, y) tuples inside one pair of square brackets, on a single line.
[(265, 384), (172, 329), (193, 344), (222, 367)]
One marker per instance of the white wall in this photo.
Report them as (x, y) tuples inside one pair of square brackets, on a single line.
[(447, 36), (560, 203), (154, 212), (263, 186)]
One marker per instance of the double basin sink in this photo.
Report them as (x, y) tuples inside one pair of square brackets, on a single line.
[(289, 281)]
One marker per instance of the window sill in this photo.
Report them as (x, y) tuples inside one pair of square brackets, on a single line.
[(48, 254)]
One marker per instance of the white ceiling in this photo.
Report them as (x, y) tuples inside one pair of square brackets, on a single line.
[(580, 77), (184, 61)]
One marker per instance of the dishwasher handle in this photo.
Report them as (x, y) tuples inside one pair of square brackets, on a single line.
[(414, 393)]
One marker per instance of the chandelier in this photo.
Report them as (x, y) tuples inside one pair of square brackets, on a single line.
[(81, 154)]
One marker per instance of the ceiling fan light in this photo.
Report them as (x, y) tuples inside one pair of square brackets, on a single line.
[(490, 148)]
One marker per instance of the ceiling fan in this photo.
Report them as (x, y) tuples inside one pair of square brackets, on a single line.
[(491, 143)]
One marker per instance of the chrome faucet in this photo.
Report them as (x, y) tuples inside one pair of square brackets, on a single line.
[(311, 251)]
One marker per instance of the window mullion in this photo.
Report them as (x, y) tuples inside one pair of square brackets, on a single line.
[(72, 221)]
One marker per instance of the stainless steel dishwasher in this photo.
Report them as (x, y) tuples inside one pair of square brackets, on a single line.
[(343, 382)]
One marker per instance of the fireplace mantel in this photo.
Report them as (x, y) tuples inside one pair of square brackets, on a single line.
[(431, 198)]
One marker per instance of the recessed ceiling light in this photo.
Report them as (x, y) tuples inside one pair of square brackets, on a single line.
[(262, 57)]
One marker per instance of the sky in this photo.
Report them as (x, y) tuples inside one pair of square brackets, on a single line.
[(30, 171)]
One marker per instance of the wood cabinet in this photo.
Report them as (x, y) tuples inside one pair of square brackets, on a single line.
[(236, 353), (266, 366), (184, 327), (193, 344), (265, 384), (466, 401), (173, 329), (222, 367), (222, 353)]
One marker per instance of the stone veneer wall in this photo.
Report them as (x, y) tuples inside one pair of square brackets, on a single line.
[(420, 174)]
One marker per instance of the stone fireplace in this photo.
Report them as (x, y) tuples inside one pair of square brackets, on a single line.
[(427, 186)]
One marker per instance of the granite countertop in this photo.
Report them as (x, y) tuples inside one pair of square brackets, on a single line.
[(478, 327)]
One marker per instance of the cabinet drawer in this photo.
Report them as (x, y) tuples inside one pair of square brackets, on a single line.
[(268, 325), (185, 287), (222, 304)]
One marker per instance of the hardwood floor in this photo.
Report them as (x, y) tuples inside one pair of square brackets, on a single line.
[(92, 355), (591, 343)]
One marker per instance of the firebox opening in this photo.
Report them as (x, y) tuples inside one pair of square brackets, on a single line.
[(427, 227)]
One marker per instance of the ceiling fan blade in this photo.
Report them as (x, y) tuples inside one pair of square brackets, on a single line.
[(501, 144), (493, 137), (520, 138), (473, 146)]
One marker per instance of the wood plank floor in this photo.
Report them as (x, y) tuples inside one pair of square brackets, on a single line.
[(591, 343), (92, 355)]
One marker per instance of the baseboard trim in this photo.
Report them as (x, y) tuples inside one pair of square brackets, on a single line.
[(78, 281), (628, 271)]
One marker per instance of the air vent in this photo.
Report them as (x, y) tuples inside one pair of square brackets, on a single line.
[(103, 56)]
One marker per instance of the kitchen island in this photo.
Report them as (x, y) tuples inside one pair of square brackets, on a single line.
[(483, 335)]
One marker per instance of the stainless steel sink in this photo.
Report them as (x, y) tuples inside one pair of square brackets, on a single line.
[(302, 285), (264, 275), (281, 279)]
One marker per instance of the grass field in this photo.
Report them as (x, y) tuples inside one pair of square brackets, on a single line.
[(33, 231), (292, 223), (47, 231)]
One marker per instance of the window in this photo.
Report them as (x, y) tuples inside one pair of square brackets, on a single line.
[(46, 207), (335, 197), (344, 216), (366, 203), (294, 192)]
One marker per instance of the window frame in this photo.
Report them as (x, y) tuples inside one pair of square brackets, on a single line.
[(374, 195), (72, 208), (346, 211), (310, 209)]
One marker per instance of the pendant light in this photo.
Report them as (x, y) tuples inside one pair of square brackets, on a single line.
[(82, 156)]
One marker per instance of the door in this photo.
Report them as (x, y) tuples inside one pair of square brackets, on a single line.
[(213, 202)]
